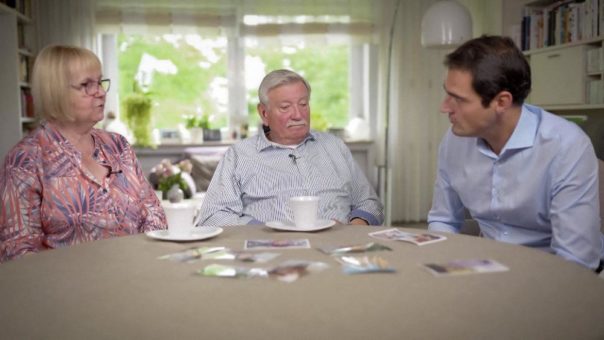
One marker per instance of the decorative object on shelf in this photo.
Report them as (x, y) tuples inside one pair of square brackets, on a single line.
[(175, 194), (212, 135), (166, 175), (446, 24), (137, 108), (196, 125)]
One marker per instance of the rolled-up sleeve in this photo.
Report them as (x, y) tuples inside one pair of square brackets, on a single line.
[(365, 202)]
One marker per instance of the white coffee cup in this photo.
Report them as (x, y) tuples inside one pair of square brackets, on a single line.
[(180, 217), (305, 210)]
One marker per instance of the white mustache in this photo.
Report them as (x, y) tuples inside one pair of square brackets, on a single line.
[(296, 123)]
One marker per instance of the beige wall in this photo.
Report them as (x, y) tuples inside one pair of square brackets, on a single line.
[(417, 125)]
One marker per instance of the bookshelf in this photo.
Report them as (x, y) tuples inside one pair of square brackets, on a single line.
[(17, 53), (563, 41), (567, 74)]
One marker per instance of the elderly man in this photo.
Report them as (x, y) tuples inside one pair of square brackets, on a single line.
[(527, 176), (258, 175)]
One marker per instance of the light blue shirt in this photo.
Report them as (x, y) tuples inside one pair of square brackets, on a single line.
[(255, 179), (540, 191)]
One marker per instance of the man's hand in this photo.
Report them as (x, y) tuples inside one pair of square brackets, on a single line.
[(358, 221)]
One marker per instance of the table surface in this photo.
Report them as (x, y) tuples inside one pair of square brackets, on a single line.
[(117, 288)]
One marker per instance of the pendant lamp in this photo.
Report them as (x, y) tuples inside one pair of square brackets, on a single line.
[(446, 24)]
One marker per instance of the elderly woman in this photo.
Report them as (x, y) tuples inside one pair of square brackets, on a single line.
[(67, 182)]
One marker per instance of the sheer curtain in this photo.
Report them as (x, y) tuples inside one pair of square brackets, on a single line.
[(70, 22), (349, 18), (416, 124)]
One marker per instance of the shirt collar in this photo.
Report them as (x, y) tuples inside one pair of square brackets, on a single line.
[(58, 141), (525, 131), (264, 143), (62, 144), (523, 135)]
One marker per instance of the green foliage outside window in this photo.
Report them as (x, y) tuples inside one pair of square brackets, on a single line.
[(326, 70), (175, 95), (188, 92)]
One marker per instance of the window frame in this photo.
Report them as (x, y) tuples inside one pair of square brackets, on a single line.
[(362, 77)]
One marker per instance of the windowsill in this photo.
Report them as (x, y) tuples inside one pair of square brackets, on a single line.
[(177, 147), (363, 151)]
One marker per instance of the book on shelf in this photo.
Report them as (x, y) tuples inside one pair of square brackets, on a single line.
[(552, 23), (27, 103), (21, 42), (595, 91), (594, 60), (21, 6), (24, 68)]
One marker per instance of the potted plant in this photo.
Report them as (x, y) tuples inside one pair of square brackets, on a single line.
[(196, 125), (137, 108)]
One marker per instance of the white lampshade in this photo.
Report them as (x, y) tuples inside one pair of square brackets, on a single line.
[(446, 24)]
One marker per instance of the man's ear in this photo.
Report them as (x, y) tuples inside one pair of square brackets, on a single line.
[(262, 112), (503, 101)]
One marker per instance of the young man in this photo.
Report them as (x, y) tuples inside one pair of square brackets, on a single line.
[(526, 176), (257, 176)]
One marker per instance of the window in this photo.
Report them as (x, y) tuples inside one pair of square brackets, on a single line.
[(325, 68), (203, 61), (184, 74)]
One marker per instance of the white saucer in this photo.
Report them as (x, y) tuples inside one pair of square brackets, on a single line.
[(290, 226), (198, 233)]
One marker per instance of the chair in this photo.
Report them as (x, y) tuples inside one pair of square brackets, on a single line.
[(470, 226)]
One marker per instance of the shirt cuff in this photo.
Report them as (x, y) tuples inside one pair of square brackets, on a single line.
[(442, 227), (254, 221), (357, 213)]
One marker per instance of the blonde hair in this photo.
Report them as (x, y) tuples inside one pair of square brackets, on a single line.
[(52, 77)]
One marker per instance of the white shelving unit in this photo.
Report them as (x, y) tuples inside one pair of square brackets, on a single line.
[(16, 54), (562, 80), (565, 72)]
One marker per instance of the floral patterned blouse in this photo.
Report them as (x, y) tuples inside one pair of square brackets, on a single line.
[(50, 200)]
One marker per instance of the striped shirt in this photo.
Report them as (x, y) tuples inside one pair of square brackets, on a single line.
[(50, 200), (256, 178)]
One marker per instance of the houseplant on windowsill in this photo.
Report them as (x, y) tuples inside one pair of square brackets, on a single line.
[(196, 125), (165, 176), (137, 108)]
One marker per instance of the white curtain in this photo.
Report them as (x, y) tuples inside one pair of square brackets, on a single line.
[(419, 126), (351, 19), (416, 124), (68, 22)]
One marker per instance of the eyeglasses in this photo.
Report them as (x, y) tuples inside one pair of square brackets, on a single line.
[(92, 87)]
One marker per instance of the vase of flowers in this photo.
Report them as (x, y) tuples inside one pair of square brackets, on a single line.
[(166, 175)]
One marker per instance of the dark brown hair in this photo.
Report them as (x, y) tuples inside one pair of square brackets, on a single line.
[(496, 65)]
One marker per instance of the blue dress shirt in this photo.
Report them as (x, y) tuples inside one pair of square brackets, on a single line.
[(255, 179), (540, 191)]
